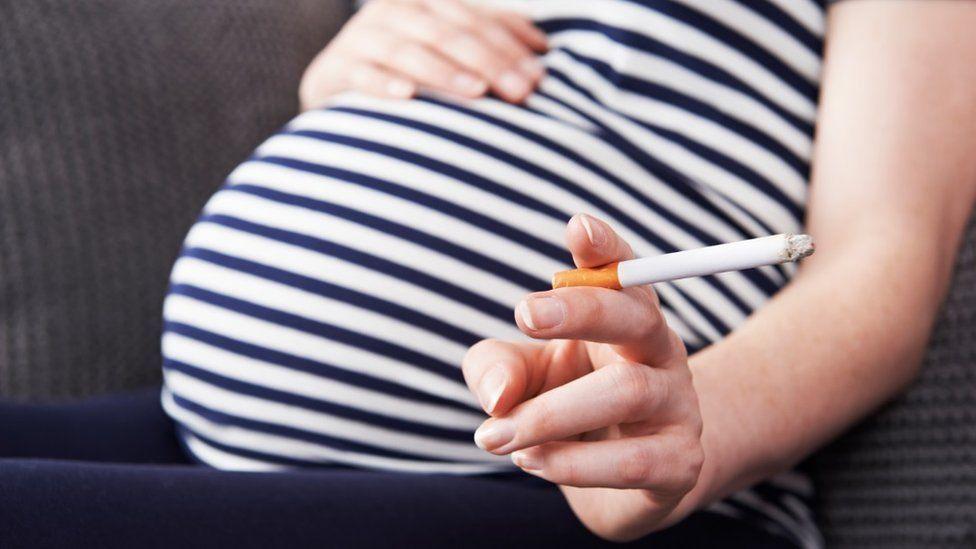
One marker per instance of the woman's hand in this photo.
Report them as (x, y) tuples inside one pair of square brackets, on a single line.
[(608, 402), (393, 47)]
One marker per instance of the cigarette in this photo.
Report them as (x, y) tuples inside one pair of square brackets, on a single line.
[(736, 256)]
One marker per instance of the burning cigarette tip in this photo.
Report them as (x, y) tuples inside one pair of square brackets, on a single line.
[(799, 246)]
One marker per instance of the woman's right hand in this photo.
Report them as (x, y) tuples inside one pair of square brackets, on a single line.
[(393, 47)]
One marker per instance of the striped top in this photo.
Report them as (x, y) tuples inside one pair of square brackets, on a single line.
[(323, 302)]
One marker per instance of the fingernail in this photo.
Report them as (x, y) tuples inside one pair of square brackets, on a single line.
[(512, 84), (541, 313), (467, 84), (594, 231), (491, 388), (527, 459), (494, 433), (531, 67), (399, 88)]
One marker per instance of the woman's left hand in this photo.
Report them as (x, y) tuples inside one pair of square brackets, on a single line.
[(607, 402)]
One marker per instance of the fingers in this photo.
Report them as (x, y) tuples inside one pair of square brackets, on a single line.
[(522, 28), (593, 242), (631, 320), (617, 393), (381, 83), (414, 61), (667, 464), (473, 41), (503, 374), (392, 48)]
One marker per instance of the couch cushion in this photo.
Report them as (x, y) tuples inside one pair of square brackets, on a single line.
[(118, 119), (906, 477)]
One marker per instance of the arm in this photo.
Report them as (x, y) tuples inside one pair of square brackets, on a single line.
[(893, 184), (637, 435)]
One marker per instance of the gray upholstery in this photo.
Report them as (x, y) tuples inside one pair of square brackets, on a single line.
[(907, 476), (119, 117), (117, 120)]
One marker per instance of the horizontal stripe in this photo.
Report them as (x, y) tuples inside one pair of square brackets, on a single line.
[(207, 345), (764, 75), (319, 329), (326, 407), (426, 212), (266, 333), (369, 397), (306, 298), (654, 244), (352, 434), (336, 264), (468, 255), (232, 460), (800, 117), (674, 81), (296, 448), (261, 210)]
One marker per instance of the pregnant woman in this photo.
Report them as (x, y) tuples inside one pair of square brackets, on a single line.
[(324, 303), (343, 308)]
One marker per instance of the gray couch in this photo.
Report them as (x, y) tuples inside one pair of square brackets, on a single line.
[(119, 117)]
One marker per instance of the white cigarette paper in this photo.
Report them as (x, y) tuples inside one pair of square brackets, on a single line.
[(736, 256)]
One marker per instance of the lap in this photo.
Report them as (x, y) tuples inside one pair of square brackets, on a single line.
[(62, 503), (129, 428), (112, 475)]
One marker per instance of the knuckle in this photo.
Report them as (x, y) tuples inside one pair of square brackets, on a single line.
[(469, 48), (433, 30), (696, 426), (497, 33), (679, 351), (636, 466), (694, 460), (409, 52), (541, 420), (653, 319), (571, 473), (585, 306), (632, 386), (662, 390)]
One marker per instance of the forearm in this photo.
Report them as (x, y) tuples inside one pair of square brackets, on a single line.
[(827, 351), (893, 185)]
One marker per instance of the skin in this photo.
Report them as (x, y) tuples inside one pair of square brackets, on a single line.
[(393, 48), (637, 434)]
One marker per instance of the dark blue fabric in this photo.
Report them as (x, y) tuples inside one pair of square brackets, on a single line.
[(109, 473)]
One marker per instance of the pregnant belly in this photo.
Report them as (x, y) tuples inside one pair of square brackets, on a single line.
[(324, 300)]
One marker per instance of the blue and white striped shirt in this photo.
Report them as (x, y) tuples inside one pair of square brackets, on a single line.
[(324, 300)]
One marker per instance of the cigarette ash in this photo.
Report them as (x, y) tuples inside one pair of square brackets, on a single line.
[(798, 246)]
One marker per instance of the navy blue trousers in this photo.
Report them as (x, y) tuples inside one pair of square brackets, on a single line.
[(109, 472)]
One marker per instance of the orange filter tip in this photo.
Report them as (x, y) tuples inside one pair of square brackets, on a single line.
[(601, 277)]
